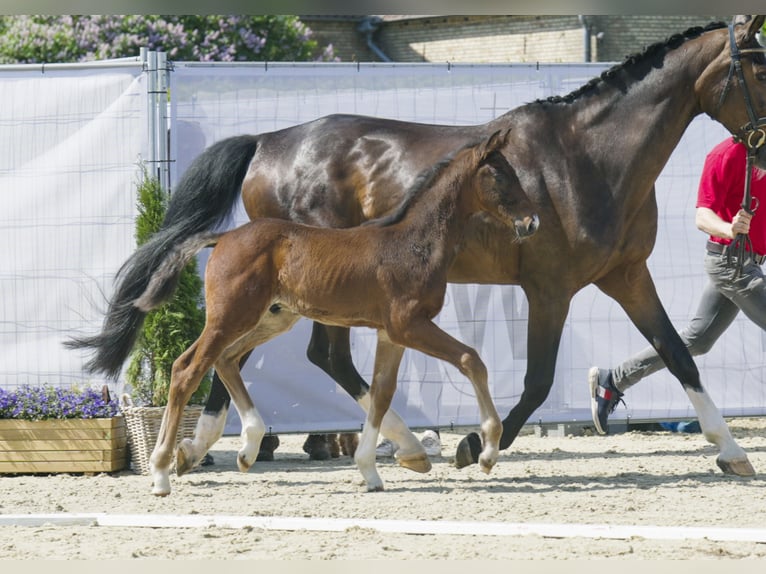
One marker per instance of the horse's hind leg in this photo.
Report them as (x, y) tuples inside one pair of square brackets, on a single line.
[(425, 336), (388, 356), (639, 299), (211, 424), (330, 350)]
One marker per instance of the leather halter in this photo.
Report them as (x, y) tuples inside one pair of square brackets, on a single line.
[(752, 135)]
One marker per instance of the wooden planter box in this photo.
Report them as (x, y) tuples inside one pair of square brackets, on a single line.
[(63, 445)]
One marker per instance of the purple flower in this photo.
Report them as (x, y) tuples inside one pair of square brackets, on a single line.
[(46, 402)]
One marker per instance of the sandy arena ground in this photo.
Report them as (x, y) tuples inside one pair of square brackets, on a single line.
[(634, 478)]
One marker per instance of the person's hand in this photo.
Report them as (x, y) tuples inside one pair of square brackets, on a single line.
[(740, 223)]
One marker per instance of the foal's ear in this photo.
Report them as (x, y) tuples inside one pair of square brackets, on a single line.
[(496, 141)]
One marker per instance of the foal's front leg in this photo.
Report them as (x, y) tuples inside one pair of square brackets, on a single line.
[(426, 336), (387, 359)]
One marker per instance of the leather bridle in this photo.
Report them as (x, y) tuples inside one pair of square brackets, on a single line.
[(752, 135)]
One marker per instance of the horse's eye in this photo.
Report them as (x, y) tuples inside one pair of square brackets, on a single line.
[(761, 76)]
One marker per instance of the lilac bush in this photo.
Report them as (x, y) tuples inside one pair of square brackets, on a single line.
[(66, 38), (46, 402)]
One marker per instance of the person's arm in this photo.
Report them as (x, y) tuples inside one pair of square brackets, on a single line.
[(709, 222)]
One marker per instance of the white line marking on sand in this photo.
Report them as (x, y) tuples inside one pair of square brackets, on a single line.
[(619, 532)]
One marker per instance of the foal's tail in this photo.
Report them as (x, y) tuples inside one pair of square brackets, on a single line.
[(204, 199)]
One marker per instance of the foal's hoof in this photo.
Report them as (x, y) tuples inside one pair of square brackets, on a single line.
[(243, 463), (738, 467), (468, 450), (184, 460), (418, 462)]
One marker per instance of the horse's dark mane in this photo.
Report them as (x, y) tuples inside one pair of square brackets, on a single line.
[(652, 51), (422, 182)]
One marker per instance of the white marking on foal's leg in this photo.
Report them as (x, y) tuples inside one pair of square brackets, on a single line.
[(365, 458), (732, 458), (253, 429), (208, 430), (394, 428), (160, 480)]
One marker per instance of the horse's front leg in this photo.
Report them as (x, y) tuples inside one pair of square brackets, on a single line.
[(330, 350), (388, 356), (634, 289), (547, 313)]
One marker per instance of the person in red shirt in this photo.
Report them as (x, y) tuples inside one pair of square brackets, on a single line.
[(720, 215)]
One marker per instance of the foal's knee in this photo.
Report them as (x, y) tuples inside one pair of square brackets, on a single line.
[(473, 367)]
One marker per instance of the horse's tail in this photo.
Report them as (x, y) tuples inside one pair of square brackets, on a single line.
[(205, 197), (165, 279)]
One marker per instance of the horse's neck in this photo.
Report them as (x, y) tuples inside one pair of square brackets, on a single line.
[(641, 122)]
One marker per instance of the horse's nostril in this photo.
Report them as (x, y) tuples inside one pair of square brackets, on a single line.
[(533, 224)]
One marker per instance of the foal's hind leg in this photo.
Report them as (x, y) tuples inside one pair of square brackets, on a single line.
[(425, 336), (187, 373), (211, 424), (330, 350)]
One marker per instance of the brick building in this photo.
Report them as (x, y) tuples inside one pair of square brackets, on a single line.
[(496, 39)]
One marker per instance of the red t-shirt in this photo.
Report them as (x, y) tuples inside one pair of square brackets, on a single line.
[(722, 186)]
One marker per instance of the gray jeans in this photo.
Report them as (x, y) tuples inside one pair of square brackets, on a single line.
[(723, 297)]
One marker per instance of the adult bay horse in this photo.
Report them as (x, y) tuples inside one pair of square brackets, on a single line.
[(588, 162), (389, 275)]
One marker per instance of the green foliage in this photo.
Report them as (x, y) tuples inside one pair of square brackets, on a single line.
[(67, 38), (170, 329)]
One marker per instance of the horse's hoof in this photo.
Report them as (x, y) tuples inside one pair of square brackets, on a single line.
[(160, 488), (737, 467), (348, 443), (377, 488), (486, 465), (468, 450), (418, 462), (184, 462), (316, 447), (242, 463), (268, 445)]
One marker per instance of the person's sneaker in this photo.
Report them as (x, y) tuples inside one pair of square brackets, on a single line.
[(604, 397), (386, 449), (432, 443)]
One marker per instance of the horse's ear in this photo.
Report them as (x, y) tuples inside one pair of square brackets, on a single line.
[(752, 25)]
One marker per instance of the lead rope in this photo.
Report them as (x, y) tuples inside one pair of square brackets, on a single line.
[(742, 243)]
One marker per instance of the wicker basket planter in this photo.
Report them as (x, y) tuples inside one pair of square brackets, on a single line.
[(143, 428), (63, 445)]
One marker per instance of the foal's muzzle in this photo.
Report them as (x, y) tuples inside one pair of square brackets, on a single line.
[(527, 226)]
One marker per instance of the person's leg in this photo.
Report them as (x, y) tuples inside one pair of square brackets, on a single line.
[(715, 312), (747, 292)]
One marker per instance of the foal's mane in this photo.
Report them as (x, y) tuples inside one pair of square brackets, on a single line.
[(424, 180), (650, 53)]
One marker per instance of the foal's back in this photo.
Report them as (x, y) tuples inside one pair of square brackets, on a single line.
[(349, 277)]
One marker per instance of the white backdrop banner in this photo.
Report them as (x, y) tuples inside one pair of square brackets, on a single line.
[(214, 102), (69, 145), (70, 140)]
